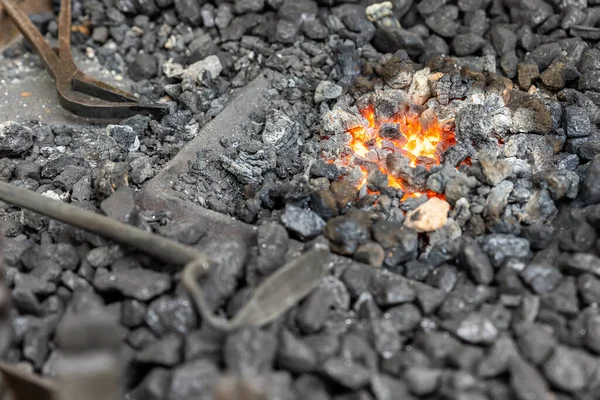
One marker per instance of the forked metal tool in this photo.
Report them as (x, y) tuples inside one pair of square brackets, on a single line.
[(77, 92)]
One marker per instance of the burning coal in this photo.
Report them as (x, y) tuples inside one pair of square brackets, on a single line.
[(382, 140)]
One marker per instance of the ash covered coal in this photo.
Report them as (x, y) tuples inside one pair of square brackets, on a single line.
[(471, 273)]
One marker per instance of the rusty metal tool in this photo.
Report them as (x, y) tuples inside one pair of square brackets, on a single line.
[(8, 31), (271, 299), (77, 92)]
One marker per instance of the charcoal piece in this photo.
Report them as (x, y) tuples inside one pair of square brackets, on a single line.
[(323, 346), (588, 288), (427, 7), (370, 253), (294, 10), (357, 278), (166, 352), (509, 63), (590, 60), (545, 54), (193, 380), (389, 39), (347, 231), (295, 355), (501, 247), (321, 169), (189, 11), (576, 122), (392, 290), (422, 381), (541, 277), (438, 345), (558, 74), (470, 5), (443, 278), (154, 386), (356, 347), (443, 23), (304, 223), (344, 192), (592, 337), (563, 298), (35, 346), (143, 67), (585, 32), (347, 373), (536, 149), (580, 263), (203, 344), (132, 313), (245, 6), (385, 338), (272, 244), (566, 369), (310, 386), (327, 90), (589, 80), (466, 44), (417, 270), (561, 184), (478, 264), (386, 388), (227, 258), (250, 348), (527, 74), (525, 380), (286, 32), (315, 30), (397, 72), (449, 87), (348, 63), (313, 312), (434, 46), (497, 200), (532, 116), (540, 208), (590, 192), (589, 146), (26, 302), (504, 39), (475, 328), (497, 359), (16, 140), (168, 314), (140, 284), (535, 342), (324, 204), (580, 238)]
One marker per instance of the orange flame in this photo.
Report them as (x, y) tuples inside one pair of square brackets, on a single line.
[(421, 144)]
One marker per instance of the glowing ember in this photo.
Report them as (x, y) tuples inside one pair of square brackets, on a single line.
[(405, 134)]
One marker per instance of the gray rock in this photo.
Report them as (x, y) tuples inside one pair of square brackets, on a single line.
[(535, 342), (16, 140), (471, 123), (387, 388), (347, 373), (245, 6), (422, 381), (526, 382), (272, 243), (166, 352), (250, 349), (565, 369), (467, 43), (478, 263), (590, 192), (279, 129), (391, 290), (295, 355), (501, 247), (576, 122), (138, 283), (327, 90), (477, 329), (155, 386), (193, 380), (302, 222), (169, 314)]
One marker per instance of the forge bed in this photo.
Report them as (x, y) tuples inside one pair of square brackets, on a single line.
[(465, 266)]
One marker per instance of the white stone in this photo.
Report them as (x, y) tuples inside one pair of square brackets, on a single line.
[(429, 216)]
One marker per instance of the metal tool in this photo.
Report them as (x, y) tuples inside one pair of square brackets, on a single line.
[(8, 31), (77, 92), (270, 300)]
